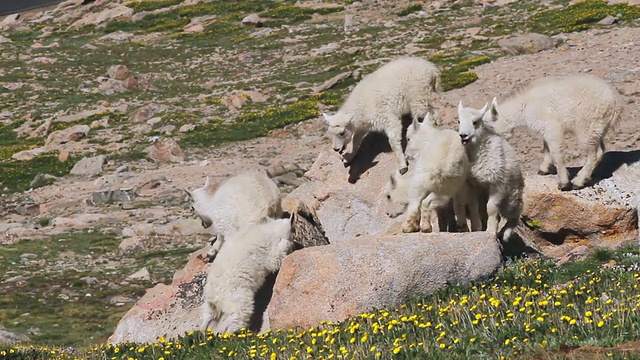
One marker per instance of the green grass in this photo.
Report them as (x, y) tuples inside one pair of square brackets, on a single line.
[(534, 309), (580, 16), (52, 302), (254, 124), (149, 5), (16, 175), (410, 10)]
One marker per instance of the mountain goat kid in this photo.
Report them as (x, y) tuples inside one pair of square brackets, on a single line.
[(248, 256), (400, 87), (582, 104), (494, 168), (438, 172), (249, 197)]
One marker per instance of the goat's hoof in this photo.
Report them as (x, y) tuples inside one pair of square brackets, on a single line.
[(565, 187), (426, 230), (544, 172), (403, 170), (409, 229), (576, 187)]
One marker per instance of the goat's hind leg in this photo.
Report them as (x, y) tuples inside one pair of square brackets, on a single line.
[(594, 157), (546, 167), (555, 149)]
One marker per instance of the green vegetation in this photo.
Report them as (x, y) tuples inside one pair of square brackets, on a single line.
[(534, 309), (410, 10), (580, 16), (149, 5), (253, 124), (455, 73), (15, 175), (76, 305)]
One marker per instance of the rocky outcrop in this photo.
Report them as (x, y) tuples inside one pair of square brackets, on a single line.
[(604, 215), (166, 310), (335, 282), (172, 310)]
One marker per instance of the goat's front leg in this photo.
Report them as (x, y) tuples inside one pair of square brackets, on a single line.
[(395, 141), (493, 212), (216, 243), (355, 146)]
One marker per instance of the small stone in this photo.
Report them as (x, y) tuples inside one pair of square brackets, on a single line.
[(89, 166), (252, 20), (609, 20)]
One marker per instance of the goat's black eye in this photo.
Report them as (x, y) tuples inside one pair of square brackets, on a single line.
[(388, 197), (341, 133), (476, 122)]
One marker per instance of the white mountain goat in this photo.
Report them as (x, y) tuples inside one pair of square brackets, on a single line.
[(400, 87), (247, 258), (438, 171), (582, 104), (249, 197), (494, 168)]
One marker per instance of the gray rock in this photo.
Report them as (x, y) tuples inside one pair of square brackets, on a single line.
[(335, 282), (119, 72), (142, 274), (73, 133), (109, 196), (7, 337), (89, 166), (331, 82), (146, 112), (609, 20), (530, 43), (165, 151), (252, 20), (288, 179)]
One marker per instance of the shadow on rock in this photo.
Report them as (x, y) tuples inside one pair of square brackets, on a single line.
[(611, 161), (261, 302), (372, 145), (519, 246)]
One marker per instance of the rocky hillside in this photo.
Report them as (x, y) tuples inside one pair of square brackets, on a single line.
[(109, 108)]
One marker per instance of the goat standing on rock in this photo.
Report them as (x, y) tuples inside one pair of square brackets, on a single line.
[(378, 102), (438, 173), (583, 104), (494, 168)]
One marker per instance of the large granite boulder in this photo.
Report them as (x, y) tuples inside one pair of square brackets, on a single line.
[(338, 281)]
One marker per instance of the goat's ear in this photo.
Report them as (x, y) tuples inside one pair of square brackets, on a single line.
[(494, 107), (188, 193), (207, 183), (460, 106), (327, 117), (484, 109), (416, 124)]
